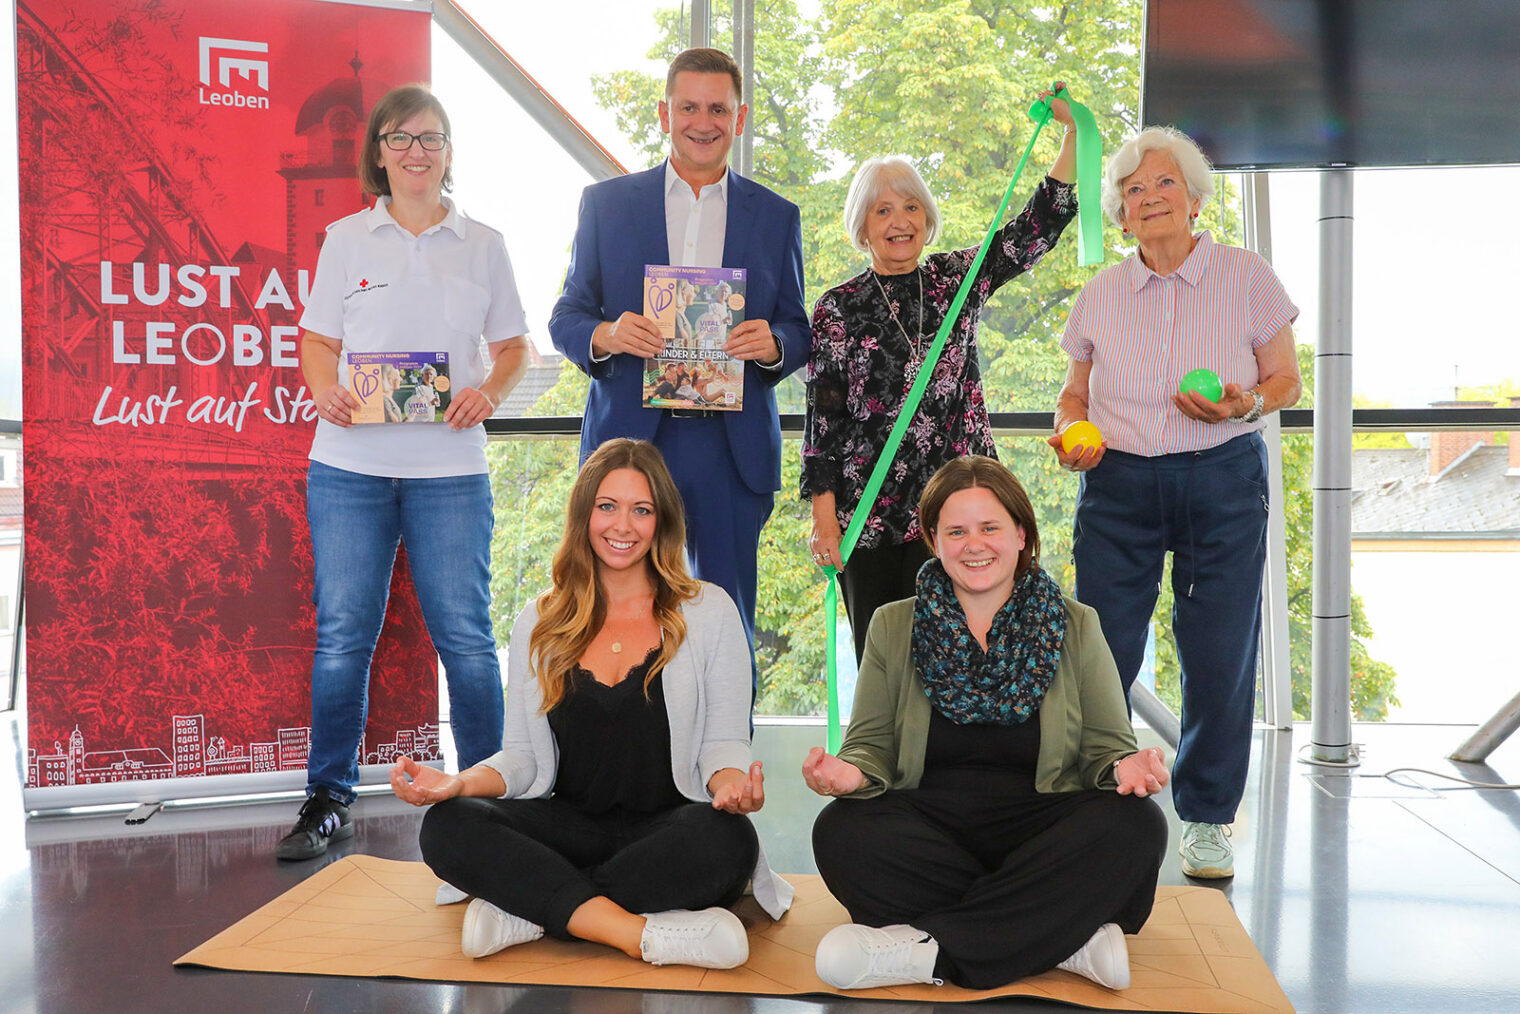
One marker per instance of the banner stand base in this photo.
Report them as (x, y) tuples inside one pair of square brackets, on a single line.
[(52, 802)]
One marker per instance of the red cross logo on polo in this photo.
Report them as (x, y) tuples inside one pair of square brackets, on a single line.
[(363, 282), (219, 62)]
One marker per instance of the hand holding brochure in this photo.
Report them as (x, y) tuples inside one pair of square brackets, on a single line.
[(694, 308), (397, 387)]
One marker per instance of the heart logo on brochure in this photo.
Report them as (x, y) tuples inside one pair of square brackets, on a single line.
[(366, 383)]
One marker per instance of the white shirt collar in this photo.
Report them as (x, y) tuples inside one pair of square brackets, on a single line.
[(380, 215), (673, 180)]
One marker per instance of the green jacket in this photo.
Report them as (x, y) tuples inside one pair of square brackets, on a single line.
[(1084, 721)]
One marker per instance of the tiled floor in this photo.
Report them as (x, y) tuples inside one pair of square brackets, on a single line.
[(1363, 895)]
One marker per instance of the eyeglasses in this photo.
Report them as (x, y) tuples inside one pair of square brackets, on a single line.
[(400, 140)]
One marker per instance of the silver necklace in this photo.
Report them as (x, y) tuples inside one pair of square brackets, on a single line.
[(915, 344)]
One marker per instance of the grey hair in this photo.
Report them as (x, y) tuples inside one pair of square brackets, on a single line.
[(1194, 164), (885, 172)]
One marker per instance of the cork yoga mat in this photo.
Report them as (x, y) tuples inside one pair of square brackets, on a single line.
[(369, 917)]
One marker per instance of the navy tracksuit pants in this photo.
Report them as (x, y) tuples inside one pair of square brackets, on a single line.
[(1209, 509)]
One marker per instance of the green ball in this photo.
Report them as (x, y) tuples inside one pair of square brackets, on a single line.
[(1205, 382)]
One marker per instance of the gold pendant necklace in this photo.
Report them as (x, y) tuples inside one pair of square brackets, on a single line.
[(617, 647)]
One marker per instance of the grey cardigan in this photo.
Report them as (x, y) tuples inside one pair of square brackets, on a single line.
[(707, 699)]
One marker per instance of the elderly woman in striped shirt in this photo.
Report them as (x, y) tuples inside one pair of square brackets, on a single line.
[(1176, 471)]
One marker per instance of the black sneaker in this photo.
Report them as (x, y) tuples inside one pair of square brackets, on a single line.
[(321, 821)]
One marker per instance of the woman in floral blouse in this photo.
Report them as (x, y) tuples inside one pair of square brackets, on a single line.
[(870, 335)]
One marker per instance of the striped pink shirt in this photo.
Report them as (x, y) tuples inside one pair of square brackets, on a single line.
[(1142, 331)]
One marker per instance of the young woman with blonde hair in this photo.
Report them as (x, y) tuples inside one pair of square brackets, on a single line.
[(624, 779)]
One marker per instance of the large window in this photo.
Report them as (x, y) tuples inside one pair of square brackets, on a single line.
[(840, 81), (1433, 281), (508, 172), (1435, 515), (947, 83), (835, 82)]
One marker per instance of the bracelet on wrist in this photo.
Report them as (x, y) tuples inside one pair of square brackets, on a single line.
[(1258, 403)]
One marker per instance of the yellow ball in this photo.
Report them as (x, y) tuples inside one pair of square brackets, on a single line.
[(1081, 434)]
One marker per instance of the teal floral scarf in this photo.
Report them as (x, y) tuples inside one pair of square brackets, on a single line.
[(1004, 684)]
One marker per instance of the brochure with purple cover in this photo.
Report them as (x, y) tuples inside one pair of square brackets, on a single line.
[(397, 387), (694, 308)]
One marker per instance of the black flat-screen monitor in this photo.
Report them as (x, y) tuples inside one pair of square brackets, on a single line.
[(1263, 84)]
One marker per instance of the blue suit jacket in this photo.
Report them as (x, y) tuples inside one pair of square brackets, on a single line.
[(621, 229)]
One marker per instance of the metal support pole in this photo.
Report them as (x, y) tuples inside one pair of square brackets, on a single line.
[(1331, 692), (1155, 714), (744, 55), (16, 630), (701, 24), (1276, 664), (1492, 733), (526, 92), (1270, 840)]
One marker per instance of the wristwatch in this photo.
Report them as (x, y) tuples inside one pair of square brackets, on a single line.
[(1257, 404)]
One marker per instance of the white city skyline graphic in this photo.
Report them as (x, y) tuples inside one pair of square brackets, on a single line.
[(192, 753)]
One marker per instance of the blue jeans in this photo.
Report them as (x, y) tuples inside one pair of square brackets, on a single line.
[(356, 523), (1209, 510)]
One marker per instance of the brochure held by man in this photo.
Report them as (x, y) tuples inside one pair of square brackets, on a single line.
[(695, 309)]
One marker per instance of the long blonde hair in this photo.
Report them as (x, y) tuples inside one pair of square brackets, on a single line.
[(572, 611)]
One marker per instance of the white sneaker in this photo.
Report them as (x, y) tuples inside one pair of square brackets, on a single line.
[(853, 956), (487, 929), (711, 938), (1206, 851), (1104, 959)]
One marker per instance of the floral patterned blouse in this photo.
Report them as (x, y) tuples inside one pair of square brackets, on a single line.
[(863, 364)]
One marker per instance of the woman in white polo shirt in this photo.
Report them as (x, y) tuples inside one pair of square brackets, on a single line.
[(411, 276), (1178, 472)]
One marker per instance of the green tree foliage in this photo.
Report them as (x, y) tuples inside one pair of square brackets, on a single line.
[(530, 482), (1375, 441), (947, 83)]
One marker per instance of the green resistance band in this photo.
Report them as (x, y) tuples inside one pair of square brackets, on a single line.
[(1089, 251), (1089, 173)]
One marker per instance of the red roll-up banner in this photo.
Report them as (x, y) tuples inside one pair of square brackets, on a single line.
[(180, 160)]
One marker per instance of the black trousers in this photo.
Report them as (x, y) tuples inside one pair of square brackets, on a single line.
[(541, 859), (876, 576), (1009, 890)]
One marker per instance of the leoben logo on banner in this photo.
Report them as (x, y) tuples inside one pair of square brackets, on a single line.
[(217, 54)]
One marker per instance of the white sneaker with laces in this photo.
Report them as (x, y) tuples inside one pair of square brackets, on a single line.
[(1206, 851), (1104, 958), (853, 956), (487, 929), (711, 938)]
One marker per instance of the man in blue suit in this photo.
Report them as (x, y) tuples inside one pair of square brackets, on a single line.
[(692, 210)]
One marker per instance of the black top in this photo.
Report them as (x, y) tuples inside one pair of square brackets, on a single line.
[(614, 745), (981, 758)]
